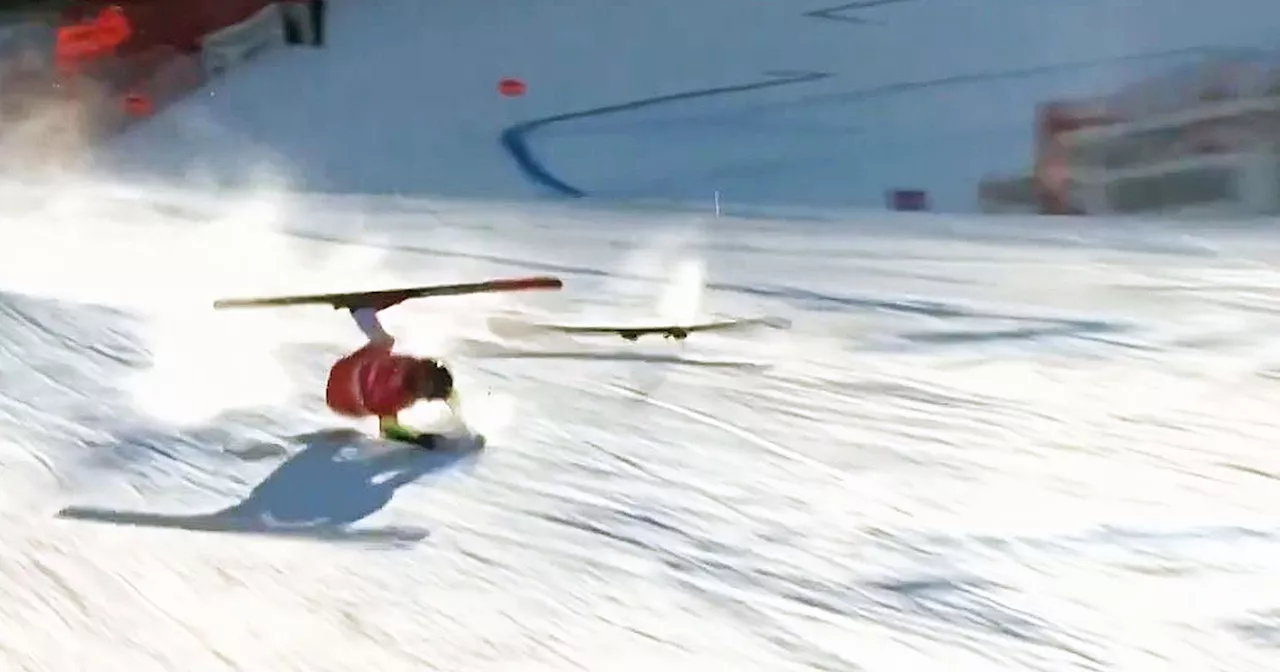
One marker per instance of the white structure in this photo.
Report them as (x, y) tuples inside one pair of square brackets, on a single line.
[(1202, 141), (1219, 158), (1213, 150)]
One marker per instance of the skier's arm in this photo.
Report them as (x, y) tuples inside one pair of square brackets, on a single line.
[(454, 402), (367, 320)]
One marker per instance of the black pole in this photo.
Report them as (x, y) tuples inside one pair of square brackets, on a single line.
[(317, 22)]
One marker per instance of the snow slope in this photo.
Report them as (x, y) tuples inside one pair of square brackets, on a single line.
[(983, 445), (909, 97)]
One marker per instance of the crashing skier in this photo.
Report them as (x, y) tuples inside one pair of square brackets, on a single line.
[(375, 382)]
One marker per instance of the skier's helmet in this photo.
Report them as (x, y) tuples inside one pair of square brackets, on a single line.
[(432, 380)]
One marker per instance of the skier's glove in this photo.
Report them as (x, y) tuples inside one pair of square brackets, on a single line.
[(397, 432)]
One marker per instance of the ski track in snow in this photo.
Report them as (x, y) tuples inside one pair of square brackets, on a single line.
[(874, 499)]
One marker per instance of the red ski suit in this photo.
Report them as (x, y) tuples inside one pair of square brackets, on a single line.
[(371, 382)]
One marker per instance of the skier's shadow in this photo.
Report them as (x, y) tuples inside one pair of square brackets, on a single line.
[(338, 478)]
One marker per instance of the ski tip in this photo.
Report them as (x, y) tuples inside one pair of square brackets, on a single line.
[(532, 282)]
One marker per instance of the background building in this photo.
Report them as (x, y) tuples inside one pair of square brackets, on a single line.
[(1202, 141)]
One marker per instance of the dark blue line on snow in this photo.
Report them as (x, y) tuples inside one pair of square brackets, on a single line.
[(838, 13), (1016, 73), (515, 139)]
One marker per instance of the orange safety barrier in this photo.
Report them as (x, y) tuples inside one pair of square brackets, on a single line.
[(98, 37), (125, 60), (138, 104)]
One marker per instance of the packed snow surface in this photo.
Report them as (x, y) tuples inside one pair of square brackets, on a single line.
[(980, 445)]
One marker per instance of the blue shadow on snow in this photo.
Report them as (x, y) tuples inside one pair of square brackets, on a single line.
[(339, 478)]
